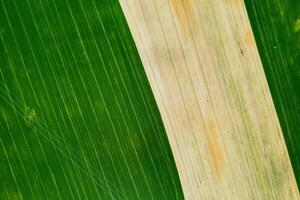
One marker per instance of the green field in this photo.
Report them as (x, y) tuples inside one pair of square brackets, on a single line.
[(276, 25), (77, 116)]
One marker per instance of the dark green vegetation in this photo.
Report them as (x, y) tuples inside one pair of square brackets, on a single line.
[(276, 26), (77, 117)]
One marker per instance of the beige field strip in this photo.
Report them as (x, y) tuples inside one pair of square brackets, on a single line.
[(203, 65)]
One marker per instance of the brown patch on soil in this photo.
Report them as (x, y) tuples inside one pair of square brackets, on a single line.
[(215, 150), (249, 38), (183, 11)]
